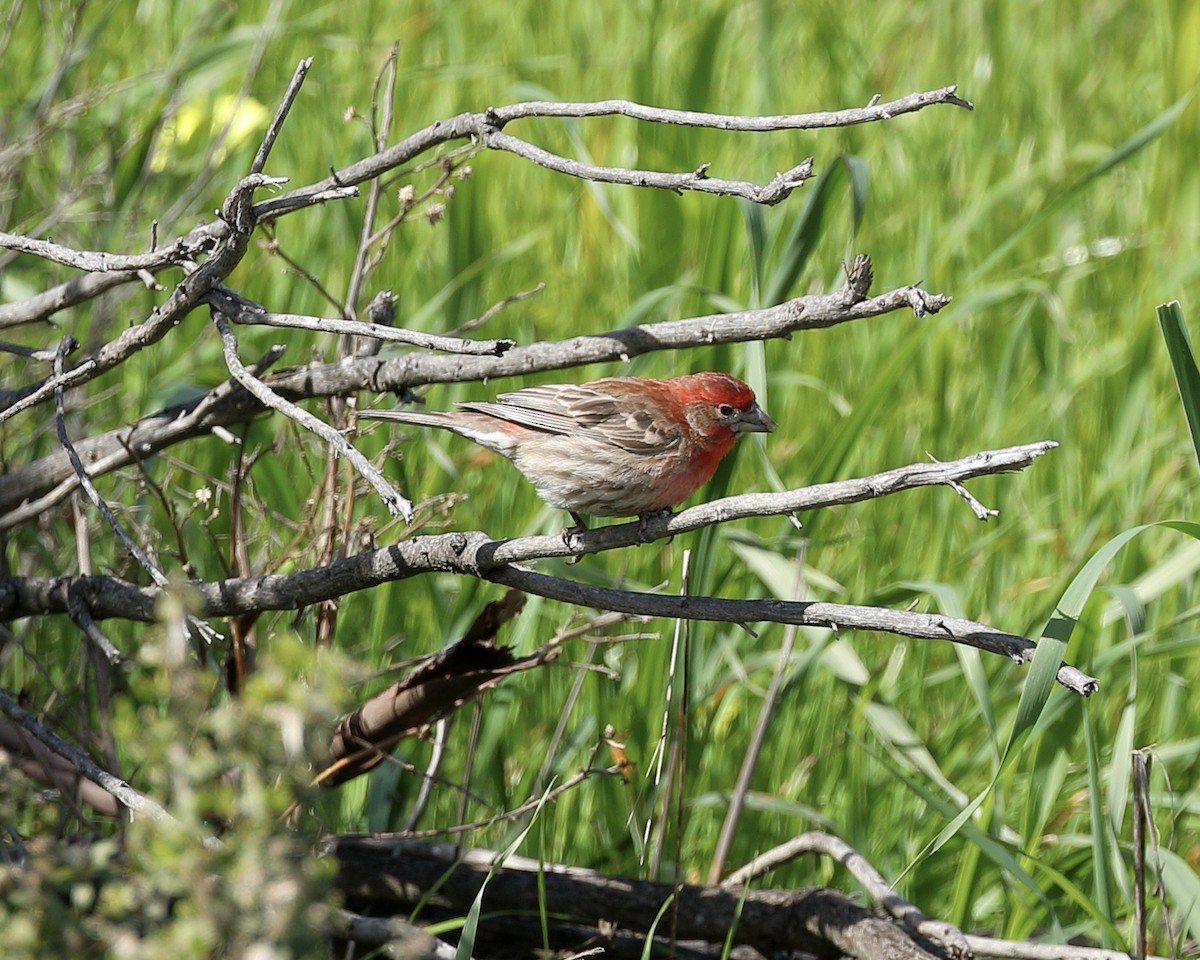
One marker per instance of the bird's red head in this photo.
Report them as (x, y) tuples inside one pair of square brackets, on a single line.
[(720, 406)]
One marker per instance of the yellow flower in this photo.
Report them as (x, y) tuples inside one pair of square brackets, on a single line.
[(244, 117)]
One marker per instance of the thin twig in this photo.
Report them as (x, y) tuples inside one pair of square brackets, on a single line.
[(135, 801), (67, 345), (496, 307), (395, 503), (281, 112), (875, 110), (241, 311), (264, 35), (30, 353), (380, 136), (654, 833), (429, 774), (60, 424), (775, 191), (125, 445), (83, 619), (977, 508), (238, 216)]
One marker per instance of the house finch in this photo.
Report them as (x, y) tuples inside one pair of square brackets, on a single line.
[(618, 447)]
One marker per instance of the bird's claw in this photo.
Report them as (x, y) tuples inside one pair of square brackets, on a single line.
[(570, 533), (645, 519)]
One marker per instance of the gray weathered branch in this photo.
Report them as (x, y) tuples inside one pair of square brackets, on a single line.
[(476, 554), (26, 491)]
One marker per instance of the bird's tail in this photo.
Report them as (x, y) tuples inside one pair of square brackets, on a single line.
[(419, 418), (486, 431)]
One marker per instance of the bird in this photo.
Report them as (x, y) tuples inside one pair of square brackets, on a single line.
[(616, 447)]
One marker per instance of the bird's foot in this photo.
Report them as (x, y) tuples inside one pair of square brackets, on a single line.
[(570, 533), (645, 519)]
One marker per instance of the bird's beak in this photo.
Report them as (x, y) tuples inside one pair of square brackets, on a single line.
[(755, 420)]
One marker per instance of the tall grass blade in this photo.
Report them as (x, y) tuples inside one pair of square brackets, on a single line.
[(1183, 362), (807, 230)]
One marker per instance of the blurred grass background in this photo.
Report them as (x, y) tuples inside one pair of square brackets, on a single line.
[(1058, 213)]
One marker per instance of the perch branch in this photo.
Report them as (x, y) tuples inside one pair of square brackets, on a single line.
[(475, 554), (741, 506)]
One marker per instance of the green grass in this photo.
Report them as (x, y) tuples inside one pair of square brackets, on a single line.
[(1055, 235)]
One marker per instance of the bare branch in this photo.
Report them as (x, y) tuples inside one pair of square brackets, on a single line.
[(809, 920), (20, 751), (223, 406), (281, 112), (835, 848), (395, 503), (82, 617), (232, 233), (117, 448), (778, 189), (466, 126), (138, 554), (741, 787), (809, 312), (389, 937), (241, 311), (380, 135), (75, 291), (529, 806), (475, 554), (905, 623), (1024, 950), (135, 801), (99, 261), (60, 424), (190, 291), (956, 943), (693, 118)]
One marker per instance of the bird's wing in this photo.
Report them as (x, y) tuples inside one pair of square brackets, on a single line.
[(622, 420)]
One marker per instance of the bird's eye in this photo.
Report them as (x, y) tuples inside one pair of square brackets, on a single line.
[(725, 410)]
